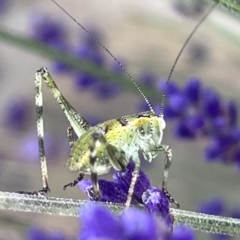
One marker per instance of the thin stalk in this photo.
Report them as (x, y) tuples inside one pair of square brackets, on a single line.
[(232, 5), (71, 207)]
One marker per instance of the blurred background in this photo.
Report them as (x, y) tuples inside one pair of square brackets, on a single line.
[(201, 111)]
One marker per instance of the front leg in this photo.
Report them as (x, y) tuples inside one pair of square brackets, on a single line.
[(135, 175), (167, 164), (70, 134), (75, 182)]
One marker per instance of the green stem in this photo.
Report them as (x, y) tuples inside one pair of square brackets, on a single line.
[(232, 5), (74, 62), (70, 207)]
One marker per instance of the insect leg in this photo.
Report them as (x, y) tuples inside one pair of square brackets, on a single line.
[(167, 164), (115, 157), (93, 157), (40, 132), (135, 175), (70, 134), (77, 122), (75, 182)]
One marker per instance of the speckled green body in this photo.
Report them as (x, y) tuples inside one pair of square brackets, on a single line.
[(126, 137)]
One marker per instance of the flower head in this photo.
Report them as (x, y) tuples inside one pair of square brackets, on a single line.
[(214, 206), (17, 114), (132, 224), (183, 232), (153, 198)]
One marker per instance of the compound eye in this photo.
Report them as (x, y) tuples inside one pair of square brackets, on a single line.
[(162, 123)]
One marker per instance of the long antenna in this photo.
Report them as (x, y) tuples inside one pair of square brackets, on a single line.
[(102, 46), (179, 54)]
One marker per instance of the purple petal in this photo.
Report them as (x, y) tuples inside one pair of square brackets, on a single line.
[(232, 113), (17, 114), (172, 87), (177, 102), (195, 121), (183, 232), (124, 180), (211, 103), (139, 225), (156, 201), (148, 79), (84, 81), (183, 130), (212, 151), (105, 90), (29, 151), (235, 212), (46, 29), (192, 89), (99, 223), (214, 206), (109, 191)]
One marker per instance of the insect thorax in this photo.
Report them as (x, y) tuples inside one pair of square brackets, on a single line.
[(129, 135)]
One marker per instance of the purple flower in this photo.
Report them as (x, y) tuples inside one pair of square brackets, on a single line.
[(219, 124), (212, 151), (177, 102), (156, 202), (224, 146), (46, 29), (89, 40), (192, 89), (124, 180), (29, 151), (85, 51), (232, 113), (99, 222), (214, 206), (4, 4), (106, 90), (195, 121), (133, 224), (140, 225), (17, 114), (169, 113), (35, 233), (117, 191), (58, 66), (182, 232), (148, 79), (142, 106), (183, 130), (84, 81), (211, 103), (172, 87), (235, 212), (116, 67), (201, 112), (110, 191)]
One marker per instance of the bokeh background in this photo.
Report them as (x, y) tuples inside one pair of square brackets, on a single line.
[(146, 37)]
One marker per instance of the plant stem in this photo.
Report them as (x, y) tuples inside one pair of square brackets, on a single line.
[(71, 207), (232, 5)]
